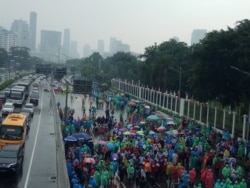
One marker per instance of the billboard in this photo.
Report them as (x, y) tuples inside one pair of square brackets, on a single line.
[(82, 86)]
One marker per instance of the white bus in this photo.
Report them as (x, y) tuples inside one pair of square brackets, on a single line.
[(17, 95), (26, 85)]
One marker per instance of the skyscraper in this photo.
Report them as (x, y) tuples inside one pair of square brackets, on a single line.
[(100, 47), (117, 46), (197, 35), (73, 49), (50, 45), (86, 51), (21, 28), (33, 17), (8, 39), (66, 42)]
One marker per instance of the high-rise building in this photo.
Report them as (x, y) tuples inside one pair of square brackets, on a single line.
[(86, 51), (73, 49), (117, 46), (66, 42), (100, 47), (112, 45), (33, 18), (21, 28), (8, 39), (50, 45), (197, 35)]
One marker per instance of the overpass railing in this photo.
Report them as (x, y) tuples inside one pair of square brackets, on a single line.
[(203, 113)]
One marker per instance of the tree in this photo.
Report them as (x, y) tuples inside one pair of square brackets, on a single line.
[(161, 63), (20, 55), (3, 57), (212, 76)]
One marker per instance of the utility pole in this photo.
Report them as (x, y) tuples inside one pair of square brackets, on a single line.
[(180, 77), (66, 103), (248, 74)]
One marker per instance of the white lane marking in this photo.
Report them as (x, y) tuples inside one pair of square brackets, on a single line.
[(34, 146)]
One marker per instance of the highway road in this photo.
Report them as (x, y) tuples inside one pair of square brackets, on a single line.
[(39, 167)]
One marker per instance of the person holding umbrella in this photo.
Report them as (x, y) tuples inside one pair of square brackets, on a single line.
[(104, 178), (130, 172), (97, 177), (92, 182)]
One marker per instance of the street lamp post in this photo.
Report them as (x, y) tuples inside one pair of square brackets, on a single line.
[(248, 74), (180, 77)]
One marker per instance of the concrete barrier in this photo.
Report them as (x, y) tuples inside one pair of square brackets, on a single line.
[(62, 173)]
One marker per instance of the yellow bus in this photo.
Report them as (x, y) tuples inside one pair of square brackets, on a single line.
[(13, 129)]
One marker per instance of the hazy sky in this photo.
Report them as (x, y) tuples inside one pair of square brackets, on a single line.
[(139, 23)]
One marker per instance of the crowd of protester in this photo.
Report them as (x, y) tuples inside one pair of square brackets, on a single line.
[(183, 154)]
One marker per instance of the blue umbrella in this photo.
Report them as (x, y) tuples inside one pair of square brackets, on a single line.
[(153, 118), (82, 136), (115, 156), (70, 139), (110, 146)]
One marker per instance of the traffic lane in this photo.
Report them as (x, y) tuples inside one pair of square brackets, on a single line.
[(9, 181), (43, 166)]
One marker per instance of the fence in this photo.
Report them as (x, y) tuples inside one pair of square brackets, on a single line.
[(202, 113)]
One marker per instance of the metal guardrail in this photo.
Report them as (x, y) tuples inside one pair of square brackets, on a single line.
[(202, 113)]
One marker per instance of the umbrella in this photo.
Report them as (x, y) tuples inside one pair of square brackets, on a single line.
[(161, 128), (126, 133), (152, 132), (123, 129), (137, 127), (102, 142), (110, 146), (171, 123), (133, 131), (132, 103), (114, 156), (140, 133), (70, 139), (130, 125), (89, 160), (153, 118), (82, 136), (174, 132)]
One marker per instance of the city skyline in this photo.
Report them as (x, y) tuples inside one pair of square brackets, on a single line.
[(139, 23), (66, 48)]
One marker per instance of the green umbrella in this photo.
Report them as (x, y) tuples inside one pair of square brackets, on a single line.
[(140, 133), (126, 133)]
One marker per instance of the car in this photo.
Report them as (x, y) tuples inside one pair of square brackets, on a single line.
[(27, 113), (8, 107), (11, 158), (7, 92), (46, 88), (34, 99), (29, 107), (35, 90), (2, 97), (36, 84)]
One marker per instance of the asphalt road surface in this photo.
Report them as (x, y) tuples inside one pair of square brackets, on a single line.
[(39, 167)]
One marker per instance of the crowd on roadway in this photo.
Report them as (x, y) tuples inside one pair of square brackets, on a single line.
[(149, 151)]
